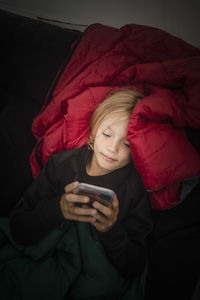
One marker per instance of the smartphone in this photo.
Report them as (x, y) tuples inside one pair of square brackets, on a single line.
[(96, 193)]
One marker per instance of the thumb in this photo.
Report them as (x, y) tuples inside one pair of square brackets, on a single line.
[(115, 203), (70, 187)]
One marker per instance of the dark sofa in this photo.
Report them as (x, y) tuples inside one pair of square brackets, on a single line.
[(32, 53)]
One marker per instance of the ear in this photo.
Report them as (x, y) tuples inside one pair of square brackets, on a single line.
[(90, 142)]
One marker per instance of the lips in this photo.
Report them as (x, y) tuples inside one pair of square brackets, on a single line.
[(107, 158)]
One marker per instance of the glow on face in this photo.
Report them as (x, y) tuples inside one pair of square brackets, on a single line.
[(111, 148)]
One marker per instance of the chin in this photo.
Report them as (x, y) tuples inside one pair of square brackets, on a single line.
[(108, 169)]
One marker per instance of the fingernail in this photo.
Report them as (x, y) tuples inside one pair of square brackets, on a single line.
[(94, 204)]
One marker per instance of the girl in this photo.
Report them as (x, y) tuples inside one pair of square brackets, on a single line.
[(50, 202)]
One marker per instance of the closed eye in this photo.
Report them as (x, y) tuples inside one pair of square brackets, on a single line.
[(127, 145), (106, 134)]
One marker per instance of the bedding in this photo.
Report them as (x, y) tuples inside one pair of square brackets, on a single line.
[(66, 264), (165, 69)]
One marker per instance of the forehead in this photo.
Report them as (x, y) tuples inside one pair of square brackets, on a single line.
[(115, 121), (113, 118)]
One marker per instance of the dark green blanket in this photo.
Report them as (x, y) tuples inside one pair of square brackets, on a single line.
[(66, 264)]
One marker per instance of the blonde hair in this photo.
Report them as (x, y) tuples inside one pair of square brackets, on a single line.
[(117, 101)]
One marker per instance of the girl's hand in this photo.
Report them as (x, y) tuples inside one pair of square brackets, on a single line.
[(106, 217), (69, 208)]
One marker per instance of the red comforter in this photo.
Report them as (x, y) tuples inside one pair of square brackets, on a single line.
[(166, 69)]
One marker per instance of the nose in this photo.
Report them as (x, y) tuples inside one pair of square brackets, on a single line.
[(113, 146)]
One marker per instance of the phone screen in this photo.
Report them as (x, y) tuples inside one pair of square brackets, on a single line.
[(96, 193)]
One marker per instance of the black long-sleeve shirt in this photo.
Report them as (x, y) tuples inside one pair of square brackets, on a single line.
[(40, 211)]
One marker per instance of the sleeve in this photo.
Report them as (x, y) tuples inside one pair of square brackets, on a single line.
[(125, 243), (39, 211)]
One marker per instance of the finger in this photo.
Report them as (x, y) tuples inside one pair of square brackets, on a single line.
[(70, 187), (99, 226), (85, 219), (72, 212), (84, 205), (88, 219), (101, 219), (115, 203), (106, 211), (73, 198), (104, 221), (82, 211)]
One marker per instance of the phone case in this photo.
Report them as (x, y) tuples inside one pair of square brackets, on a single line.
[(96, 193)]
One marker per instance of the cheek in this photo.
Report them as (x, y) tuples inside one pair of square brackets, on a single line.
[(99, 140), (97, 143), (126, 155), (96, 140)]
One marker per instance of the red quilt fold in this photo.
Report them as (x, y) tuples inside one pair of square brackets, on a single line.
[(166, 69)]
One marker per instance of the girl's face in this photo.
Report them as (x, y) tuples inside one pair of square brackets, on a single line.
[(111, 148)]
